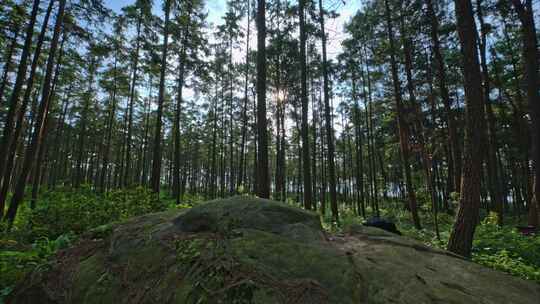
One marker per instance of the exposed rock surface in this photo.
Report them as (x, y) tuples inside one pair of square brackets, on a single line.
[(245, 250)]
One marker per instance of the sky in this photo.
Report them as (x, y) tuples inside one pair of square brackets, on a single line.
[(216, 9)]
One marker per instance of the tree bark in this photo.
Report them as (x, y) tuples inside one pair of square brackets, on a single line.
[(33, 147), (127, 169), (403, 128), (306, 165), (179, 99), (17, 88), (11, 134), (454, 159), (461, 238), (156, 162), (79, 174), (263, 178), (38, 167), (242, 164), (359, 168), (495, 193), (531, 66), (328, 119)]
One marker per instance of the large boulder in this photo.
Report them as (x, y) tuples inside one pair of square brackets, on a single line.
[(247, 250)]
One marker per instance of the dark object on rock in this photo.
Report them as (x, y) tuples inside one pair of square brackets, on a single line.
[(382, 223), (527, 230)]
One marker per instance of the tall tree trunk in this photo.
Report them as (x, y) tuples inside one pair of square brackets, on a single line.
[(33, 147), (156, 159), (110, 128), (17, 88), (328, 120), (42, 147), (308, 196), (263, 178), (127, 169), (81, 155), (403, 128), (10, 137), (461, 238), (359, 168), (146, 140), (316, 120), (454, 159), (57, 144), (368, 104), (242, 164), (180, 83), (531, 66), (213, 175), (495, 193), (408, 50), (230, 71)]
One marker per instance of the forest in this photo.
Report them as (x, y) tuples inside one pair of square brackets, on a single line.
[(420, 113)]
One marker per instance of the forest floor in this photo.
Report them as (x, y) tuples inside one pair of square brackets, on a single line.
[(63, 216)]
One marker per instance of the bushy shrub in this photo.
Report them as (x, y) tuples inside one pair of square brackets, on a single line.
[(506, 249), (16, 259), (77, 211), (59, 217)]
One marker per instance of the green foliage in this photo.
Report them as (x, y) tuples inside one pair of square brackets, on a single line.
[(16, 259), (505, 261), (506, 249), (80, 210)]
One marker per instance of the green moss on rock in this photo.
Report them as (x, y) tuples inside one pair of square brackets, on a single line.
[(247, 250)]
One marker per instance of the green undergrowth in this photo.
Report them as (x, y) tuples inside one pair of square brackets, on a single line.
[(59, 220)]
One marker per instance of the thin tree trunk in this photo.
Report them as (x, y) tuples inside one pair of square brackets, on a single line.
[(308, 197), (263, 178), (57, 145), (531, 66), (156, 162), (180, 82), (426, 161), (11, 134), (33, 147), (359, 168), (41, 148), (81, 155), (403, 131), (454, 159), (328, 119), (127, 169), (110, 127), (494, 185), (246, 101)]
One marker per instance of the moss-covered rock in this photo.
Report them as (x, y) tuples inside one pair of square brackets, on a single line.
[(245, 250), (245, 212)]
